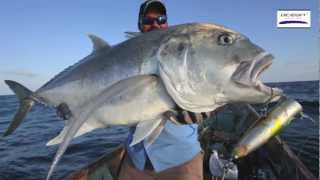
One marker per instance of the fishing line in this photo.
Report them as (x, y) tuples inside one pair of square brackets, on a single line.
[(306, 116)]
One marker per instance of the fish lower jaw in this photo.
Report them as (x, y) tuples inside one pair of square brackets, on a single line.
[(275, 93)]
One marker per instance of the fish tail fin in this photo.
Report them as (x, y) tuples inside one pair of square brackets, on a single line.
[(26, 101)]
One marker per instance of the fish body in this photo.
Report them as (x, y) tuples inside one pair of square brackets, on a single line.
[(197, 66)]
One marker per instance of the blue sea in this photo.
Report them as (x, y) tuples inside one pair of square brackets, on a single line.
[(24, 154)]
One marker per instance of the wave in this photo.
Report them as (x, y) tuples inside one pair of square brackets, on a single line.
[(304, 102)]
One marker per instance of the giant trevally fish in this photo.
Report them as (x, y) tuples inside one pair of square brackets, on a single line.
[(196, 66)]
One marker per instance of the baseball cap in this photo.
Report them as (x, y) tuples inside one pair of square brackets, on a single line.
[(144, 7)]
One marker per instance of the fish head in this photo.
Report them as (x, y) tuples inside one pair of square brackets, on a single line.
[(204, 66)]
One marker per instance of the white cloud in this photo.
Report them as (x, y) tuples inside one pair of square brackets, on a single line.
[(19, 73), (27, 78)]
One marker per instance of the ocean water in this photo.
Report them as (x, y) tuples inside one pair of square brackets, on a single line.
[(302, 134), (24, 154)]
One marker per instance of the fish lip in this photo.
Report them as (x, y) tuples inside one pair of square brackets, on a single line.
[(275, 93), (260, 66), (248, 72)]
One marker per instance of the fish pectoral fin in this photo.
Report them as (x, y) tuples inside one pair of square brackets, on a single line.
[(145, 129), (58, 139), (76, 121)]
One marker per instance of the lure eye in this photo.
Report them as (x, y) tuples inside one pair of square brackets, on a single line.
[(225, 39)]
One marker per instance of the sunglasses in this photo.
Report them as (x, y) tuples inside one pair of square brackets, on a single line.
[(149, 20)]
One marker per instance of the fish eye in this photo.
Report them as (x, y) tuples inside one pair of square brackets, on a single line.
[(225, 39)]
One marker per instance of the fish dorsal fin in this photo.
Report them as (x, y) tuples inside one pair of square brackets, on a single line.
[(98, 43), (130, 35)]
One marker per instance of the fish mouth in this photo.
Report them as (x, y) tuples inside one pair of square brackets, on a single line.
[(260, 66), (248, 73)]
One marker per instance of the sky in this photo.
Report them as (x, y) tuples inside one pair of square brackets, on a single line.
[(40, 38)]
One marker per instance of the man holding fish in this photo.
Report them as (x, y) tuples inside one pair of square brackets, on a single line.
[(176, 152), (198, 67)]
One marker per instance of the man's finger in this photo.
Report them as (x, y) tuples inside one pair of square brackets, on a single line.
[(172, 117), (186, 117), (199, 118)]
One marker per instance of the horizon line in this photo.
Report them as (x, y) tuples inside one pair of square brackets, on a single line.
[(263, 82)]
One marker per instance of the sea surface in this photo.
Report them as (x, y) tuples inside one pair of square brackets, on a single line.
[(24, 154)]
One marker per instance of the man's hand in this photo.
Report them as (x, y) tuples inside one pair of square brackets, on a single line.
[(185, 117)]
